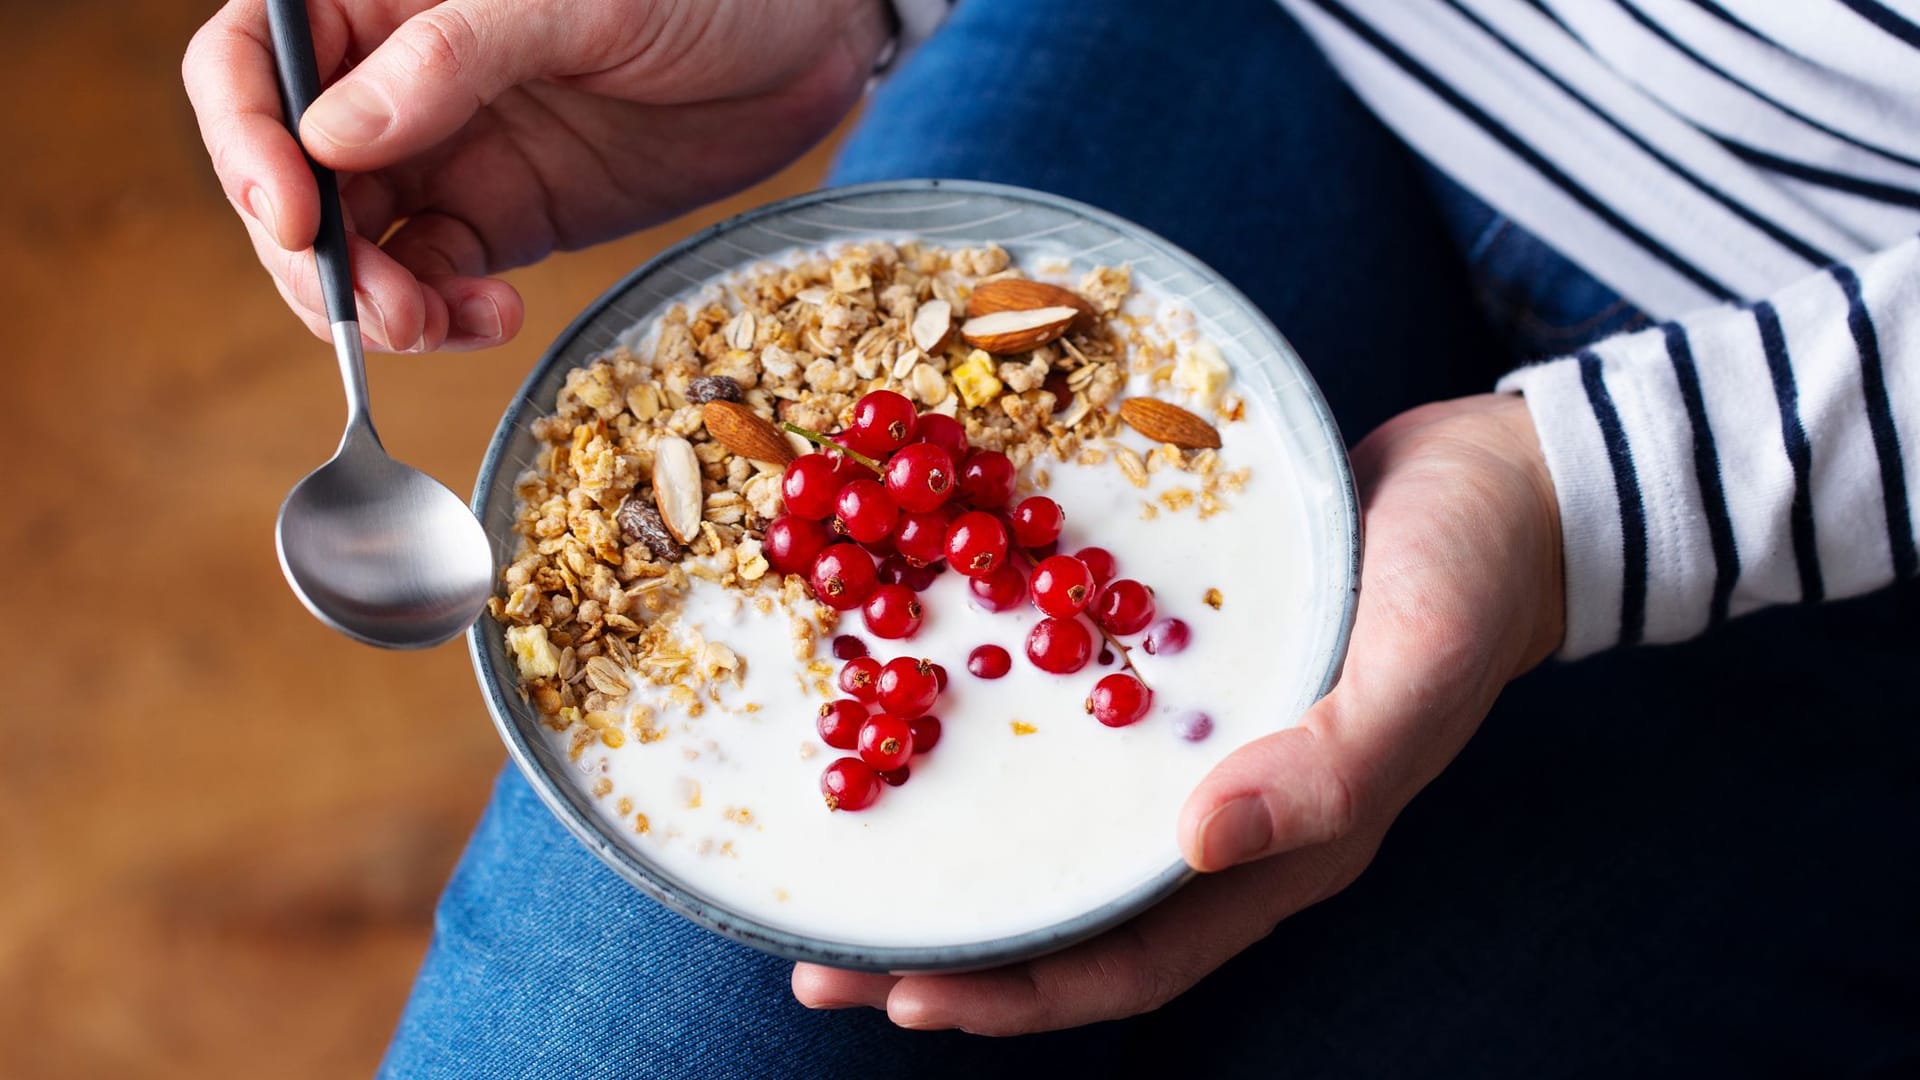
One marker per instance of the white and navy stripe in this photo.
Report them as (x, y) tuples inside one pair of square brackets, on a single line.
[(1747, 171)]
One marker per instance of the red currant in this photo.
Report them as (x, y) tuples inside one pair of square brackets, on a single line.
[(864, 511), (986, 479), (843, 576), (1059, 646), (1166, 637), (811, 483), (908, 686), (1100, 561), (1035, 522), (926, 732), (944, 432), (1001, 590), (1125, 607), (883, 422), (1062, 586), (886, 742), (860, 679), (896, 777), (976, 543), (989, 662), (793, 541), (849, 784), (895, 570), (848, 647), (940, 677), (1118, 700), (1193, 726), (893, 611), (920, 477), (840, 723), (921, 537)]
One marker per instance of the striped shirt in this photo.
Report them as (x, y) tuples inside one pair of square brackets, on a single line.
[(1747, 171)]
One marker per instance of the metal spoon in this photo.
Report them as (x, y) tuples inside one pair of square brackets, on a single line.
[(375, 549)]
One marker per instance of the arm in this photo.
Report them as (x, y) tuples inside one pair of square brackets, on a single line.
[(1738, 458)]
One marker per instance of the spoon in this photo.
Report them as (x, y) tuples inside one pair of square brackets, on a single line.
[(379, 551)]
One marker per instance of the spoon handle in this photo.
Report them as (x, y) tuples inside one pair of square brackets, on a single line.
[(299, 85)]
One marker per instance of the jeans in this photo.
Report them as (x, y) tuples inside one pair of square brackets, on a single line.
[(1700, 859)]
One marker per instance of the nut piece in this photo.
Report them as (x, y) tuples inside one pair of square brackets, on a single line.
[(1168, 423), (931, 324), (640, 524), (745, 432), (676, 487), (713, 388), (1005, 332), (1019, 294)]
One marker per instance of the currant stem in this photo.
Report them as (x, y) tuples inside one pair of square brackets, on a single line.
[(825, 443), (1126, 654)]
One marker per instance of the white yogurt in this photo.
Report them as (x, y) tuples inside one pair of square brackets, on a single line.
[(996, 833)]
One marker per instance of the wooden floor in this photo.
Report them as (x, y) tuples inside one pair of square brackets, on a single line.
[(222, 827)]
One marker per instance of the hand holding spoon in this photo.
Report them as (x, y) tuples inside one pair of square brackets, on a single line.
[(375, 549)]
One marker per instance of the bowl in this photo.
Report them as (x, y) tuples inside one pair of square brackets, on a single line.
[(1030, 225)]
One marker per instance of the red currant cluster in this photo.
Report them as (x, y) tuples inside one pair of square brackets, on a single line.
[(884, 720), (882, 510)]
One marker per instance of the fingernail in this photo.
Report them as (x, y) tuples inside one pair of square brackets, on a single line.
[(260, 205), (350, 115), (1236, 832), (478, 316), (373, 320)]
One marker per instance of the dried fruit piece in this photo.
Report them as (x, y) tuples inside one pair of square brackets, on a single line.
[(931, 325), (976, 380), (640, 523), (1202, 371), (708, 388), (1005, 332), (745, 432), (1165, 422), (676, 487), (1019, 294)]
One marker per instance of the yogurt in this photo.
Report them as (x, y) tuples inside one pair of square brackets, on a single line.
[(1028, 812)]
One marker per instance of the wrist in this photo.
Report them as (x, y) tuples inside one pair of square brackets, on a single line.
[(1519, 445)]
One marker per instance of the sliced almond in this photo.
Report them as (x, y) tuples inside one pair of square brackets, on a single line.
[(745, 432), (1167, 423), (1019, 294), (1006, 332), (740, 331), (815, 295), (676, 487), (905, 363), (931, 325)]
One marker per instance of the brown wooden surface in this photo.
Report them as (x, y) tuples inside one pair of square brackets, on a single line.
[(222, 827)]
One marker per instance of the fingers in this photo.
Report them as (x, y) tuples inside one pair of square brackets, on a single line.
[(229, 77), (396, 312), (1127, 971), (442, 65), (1292, 789)]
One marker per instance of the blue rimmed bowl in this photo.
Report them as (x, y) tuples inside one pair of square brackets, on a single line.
[(1033, 227)]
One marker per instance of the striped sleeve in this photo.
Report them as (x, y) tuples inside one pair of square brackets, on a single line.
[(1737, 458)]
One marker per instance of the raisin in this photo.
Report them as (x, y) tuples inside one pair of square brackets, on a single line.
[(640, 523), (713, 388)]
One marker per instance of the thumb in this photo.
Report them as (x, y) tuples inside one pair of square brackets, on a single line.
[(431, 75), (1293, 789)]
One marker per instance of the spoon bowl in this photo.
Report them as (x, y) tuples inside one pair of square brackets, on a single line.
[(381, 551)]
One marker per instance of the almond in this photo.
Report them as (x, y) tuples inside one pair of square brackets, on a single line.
[(1005, 332), (676, 487), (1019, 294), (931, 324), (746, 433), (1167, 423)]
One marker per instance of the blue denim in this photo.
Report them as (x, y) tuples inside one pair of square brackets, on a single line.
[(1660, 862)]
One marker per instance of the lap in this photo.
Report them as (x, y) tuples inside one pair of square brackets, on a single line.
[(1646, 861)]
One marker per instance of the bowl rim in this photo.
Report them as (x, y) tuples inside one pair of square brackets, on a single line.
[(685, 900)]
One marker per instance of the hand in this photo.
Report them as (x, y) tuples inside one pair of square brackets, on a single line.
[(491, 132), (1461, 592)]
